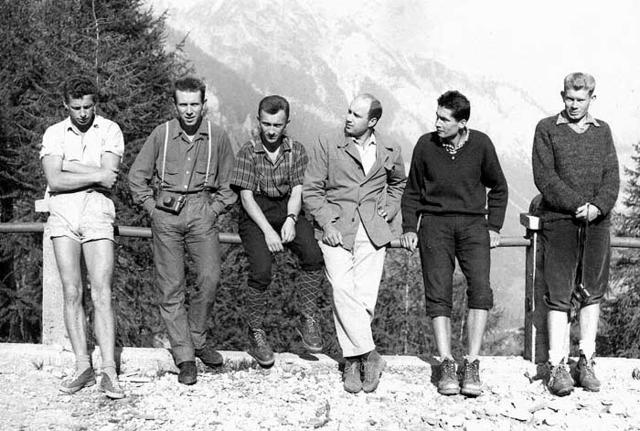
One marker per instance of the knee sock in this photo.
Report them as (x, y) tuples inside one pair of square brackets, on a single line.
[(588, 348), (83, 362), (555, 357), (309, 285), (256, 303)]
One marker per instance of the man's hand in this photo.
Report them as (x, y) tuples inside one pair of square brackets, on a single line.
[(494, 239), (288, 231), (331, 236), (108, 178), (587, 212), (274, 243), (383, 213), (409, 241)]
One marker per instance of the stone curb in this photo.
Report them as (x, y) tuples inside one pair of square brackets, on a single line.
[(152, 361)]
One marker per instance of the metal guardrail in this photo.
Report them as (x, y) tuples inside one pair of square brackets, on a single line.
[(225, 237), (535, 331)]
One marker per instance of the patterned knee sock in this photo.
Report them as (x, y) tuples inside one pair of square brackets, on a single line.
[(255, 306), (309, 285)]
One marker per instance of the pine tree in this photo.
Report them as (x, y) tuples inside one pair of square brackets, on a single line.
[(620, 329), (119, 45)]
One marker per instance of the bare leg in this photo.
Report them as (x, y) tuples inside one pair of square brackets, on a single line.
[(557, 328), (442, 332), (67, 253), (476, 323), (99, 259)]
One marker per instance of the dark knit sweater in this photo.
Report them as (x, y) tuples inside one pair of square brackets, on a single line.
[(444, 184), (571, 169)]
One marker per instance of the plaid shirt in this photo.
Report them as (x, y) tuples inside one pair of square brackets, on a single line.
[(255, 171)]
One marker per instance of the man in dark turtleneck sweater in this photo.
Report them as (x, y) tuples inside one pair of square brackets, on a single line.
[(575, 167), (448, 214)]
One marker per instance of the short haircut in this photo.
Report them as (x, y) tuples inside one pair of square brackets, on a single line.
[(580, 81), (457, 103), (77, 87), (274, 104), (375, 109), (190, 85)]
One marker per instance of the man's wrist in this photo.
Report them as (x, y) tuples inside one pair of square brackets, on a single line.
[(293, 217)]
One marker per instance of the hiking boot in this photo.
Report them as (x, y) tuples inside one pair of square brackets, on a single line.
[(209, 356), (471, 384), (560, 382), (111, 388), (373, 366), (260, 349), (188, 374), (78, 380), (585, 375), (351, 375), (311, 336), (448, 383)]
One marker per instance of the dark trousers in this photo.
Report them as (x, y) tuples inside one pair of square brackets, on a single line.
[(442, 239), (304, 245), (194, 230), (561, 254)]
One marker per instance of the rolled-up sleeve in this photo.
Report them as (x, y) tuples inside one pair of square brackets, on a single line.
[(224, 196), (243, 176), (114, 140), (52, 143)]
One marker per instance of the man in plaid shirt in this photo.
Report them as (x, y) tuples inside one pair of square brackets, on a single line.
[(268, 174)]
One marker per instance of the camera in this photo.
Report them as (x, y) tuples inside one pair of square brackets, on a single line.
[(170, 203)]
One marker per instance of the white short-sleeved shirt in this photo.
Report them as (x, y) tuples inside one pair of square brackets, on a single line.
[(65, 140), (81, 215)]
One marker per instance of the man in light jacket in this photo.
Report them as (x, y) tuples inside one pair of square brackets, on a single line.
[(352, 189)]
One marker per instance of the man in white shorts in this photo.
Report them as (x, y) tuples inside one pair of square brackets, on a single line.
[(80, 157)]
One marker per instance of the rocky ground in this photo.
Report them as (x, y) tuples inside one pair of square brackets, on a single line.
[(307, 394)]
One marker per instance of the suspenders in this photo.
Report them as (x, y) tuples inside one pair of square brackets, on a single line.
[(164, 155)]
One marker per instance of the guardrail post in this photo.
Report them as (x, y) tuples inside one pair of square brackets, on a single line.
[(535, 311), (53, 329)]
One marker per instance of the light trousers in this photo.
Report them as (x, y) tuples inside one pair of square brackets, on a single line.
[(355, 278)]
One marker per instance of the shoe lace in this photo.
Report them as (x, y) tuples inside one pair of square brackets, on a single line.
[(557, 372), (312, 326), (471, 370), (588, 368), (449, 368), (352, 367), (260, 337)]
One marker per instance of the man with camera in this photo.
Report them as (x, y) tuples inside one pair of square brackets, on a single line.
[(268, 174), (575, 167), (191, 160), (80, 157)]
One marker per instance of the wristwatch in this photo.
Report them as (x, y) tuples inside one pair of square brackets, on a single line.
[(293, 217)]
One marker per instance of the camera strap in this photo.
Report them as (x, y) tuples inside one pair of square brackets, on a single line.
[(164, 156)]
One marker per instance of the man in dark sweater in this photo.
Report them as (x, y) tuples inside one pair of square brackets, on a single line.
[(448, 214), (575, 167)]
